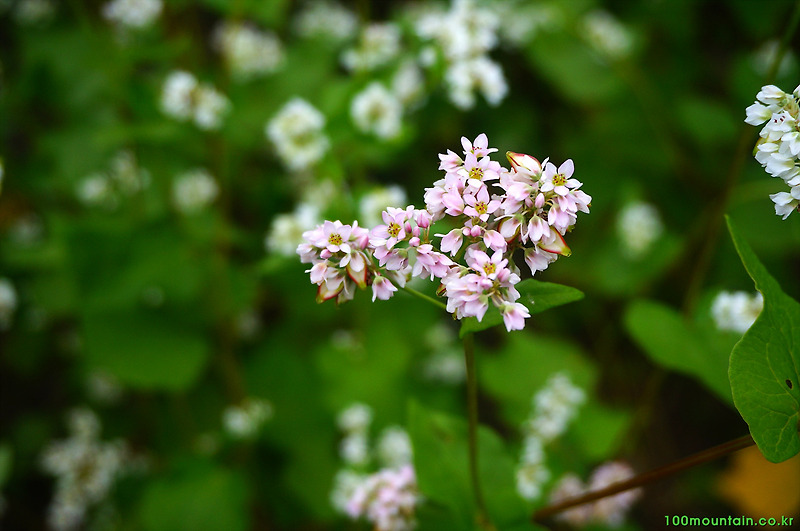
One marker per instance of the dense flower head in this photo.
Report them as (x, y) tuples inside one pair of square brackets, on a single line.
[(736, 311), (778, 148), (491, 213), (297, 133), (248, 51)]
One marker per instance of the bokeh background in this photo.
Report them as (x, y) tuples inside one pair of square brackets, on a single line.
[(154, 187)]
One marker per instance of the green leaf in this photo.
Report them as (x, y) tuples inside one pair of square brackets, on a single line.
[(764, 369), (441, 459), (6, 460), (676, 344), (537, 296), (145, 349), (202, 497)]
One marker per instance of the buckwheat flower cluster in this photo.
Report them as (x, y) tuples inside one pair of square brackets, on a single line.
[(386, 498), (184, 98), (778, 148), (244, 421), (123, 179), (378, 44), (609, 511), (466, 33), (325, 19), (736, 311), (248, 51), (132, 13), (194, 190), (539, 205), (554, 406), (638, 227), (8, 303), (85, 470), (297, 133), (377, 111)]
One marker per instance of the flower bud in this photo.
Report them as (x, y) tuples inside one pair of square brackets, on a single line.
[(555, 244), (524, 163)]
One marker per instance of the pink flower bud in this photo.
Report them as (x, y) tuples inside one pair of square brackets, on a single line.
[(555, 244), (524, 163)]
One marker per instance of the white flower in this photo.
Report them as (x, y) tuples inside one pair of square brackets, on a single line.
[(326, 19), (345, 485), (176, 95), (568, 487), (611, 510), (31, 12), (465, 30), (376, 200), (764, 57), (466, 76), (210, 107), (132, 13), (736, 311), (96, 190), (297, 134), (408, 84), (377, 111), (638, 226), (356, 418), (607, 34), (248, 51), (8, 303), (387, 499), (378, 44), (194, 190), (555, 405), (286, 232), (530, 479), (245, 420), (394, 447), (354, 449)]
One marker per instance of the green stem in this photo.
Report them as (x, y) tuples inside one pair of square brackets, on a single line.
[(481, 515), (424, 297), (648, 477)]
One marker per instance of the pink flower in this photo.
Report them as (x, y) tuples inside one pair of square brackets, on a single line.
[(392, 232), (559, 181), (538, 259), (451, 242), (524, 164), (479, 147), (514, 315), (382, 288), (477, 171), (431, 262), (486, 266), (479, 205)]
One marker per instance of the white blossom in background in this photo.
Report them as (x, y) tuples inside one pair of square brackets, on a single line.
[(376, 200), (394, 447), (123, 178), (326, 19), (103, 388), (554, 406), (85, 469), (612, 510), (354, 422), (132, 13), (408, 84), (95, 190), (286, 231), (27, 230), (638, 226), (736, 311), (345, 484), (445, 364), (606, 34), (248, 51), (479, 74), (297, 134), (378, 44), (31, 12), (194, 190), (377, 111), (8, 303), (779, 146), (568, 487), (245, 420), (356, 417), (522, 22), (184, 98)]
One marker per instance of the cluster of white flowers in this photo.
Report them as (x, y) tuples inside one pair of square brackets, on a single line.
[(445, 364), (376, 110), (539, 205), (375, 201), (606, 34), (322, 18), (465, 33), (32, 12), (248, 51), (297, 134), (194, 190), (286, 231), (778, 149), (378, 45), (554, 406), (522, 21), (609, 511), (8, 303), (736, 311), (638, 226), (386, 498), (245, 420), (123, 179), (85, 470), (184, 98), (132, 13)]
